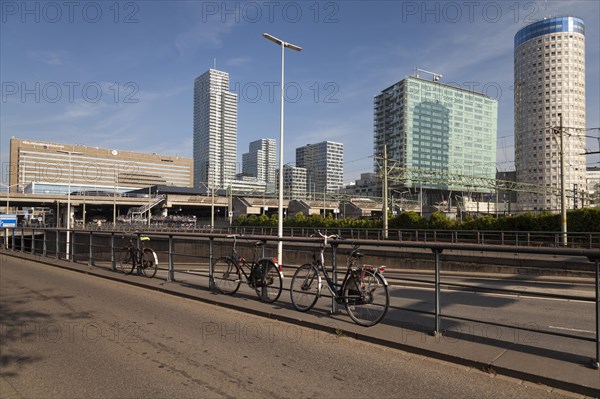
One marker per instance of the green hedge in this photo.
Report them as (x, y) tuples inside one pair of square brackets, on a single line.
[(580, 220)]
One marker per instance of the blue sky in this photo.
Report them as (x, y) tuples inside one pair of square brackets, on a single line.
[(120, 75)]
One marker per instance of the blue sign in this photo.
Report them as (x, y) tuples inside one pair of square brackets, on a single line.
[(8, 221)]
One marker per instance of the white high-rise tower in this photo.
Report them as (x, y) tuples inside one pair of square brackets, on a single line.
[(549, 67), (215, 130)]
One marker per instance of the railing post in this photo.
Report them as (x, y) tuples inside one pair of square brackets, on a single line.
[(57, 244), (437, 253), (334, 276), (211, 278), (33, 241), (91, 253), (44, 245), (502, 237), (23, 240), (72, 247), (171, 272), (113, 263), (596, 362)]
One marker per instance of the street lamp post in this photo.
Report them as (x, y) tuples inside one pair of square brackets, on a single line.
[(115, 196), (68, 238), (280, 202), (8, 208), (8, 194)]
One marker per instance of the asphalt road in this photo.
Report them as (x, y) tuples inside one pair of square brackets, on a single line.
[(69, 335), (554, 315)]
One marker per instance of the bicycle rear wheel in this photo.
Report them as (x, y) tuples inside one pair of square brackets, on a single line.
[(366, 301), (305, 287), (149, 262), (126, 262), (267, 281), (226, 276)]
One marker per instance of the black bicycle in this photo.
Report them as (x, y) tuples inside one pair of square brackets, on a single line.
[(264, 276), (144, 258), (364, 290)]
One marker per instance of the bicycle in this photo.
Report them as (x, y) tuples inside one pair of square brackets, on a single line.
[(144, 258), (265, 275), (364, 290)]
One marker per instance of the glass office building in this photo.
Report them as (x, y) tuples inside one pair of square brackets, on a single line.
[(440, 135), (549, 81)]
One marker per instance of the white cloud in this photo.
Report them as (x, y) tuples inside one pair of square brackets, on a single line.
[(238, 61), (203, 34), (48, 57)]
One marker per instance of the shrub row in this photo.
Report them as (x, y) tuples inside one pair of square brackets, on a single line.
[(580, 220)]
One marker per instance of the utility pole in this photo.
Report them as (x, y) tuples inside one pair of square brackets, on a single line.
[(563, 193), (385, 192), (386, 171)]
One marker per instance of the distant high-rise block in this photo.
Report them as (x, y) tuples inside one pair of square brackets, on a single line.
[(432, 128), (324, 164), (294, 182), (549, 73), (260, 160), (215, 130)]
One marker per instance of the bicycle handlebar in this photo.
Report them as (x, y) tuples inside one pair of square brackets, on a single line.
[(332, 236)]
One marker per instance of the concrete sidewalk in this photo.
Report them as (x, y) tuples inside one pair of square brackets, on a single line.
[(498, 350)]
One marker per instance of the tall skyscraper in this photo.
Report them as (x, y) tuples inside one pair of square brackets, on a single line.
[(431, 126), (260, 160), (324, 164), (215, 130), (549, 68)]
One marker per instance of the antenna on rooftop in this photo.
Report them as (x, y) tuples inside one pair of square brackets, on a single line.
[(434, 76)]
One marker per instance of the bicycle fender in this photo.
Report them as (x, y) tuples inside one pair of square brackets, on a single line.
[(382, 277), (153, 255)]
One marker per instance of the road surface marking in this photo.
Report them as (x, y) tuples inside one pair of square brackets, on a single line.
[(572, 329)]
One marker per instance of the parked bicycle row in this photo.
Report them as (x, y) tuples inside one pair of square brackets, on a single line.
[(363, 290)]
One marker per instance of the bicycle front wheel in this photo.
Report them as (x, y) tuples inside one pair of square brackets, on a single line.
[(267, 281), (226, 276), (126, 262), (149, 262), (305, 287), (366, 301)]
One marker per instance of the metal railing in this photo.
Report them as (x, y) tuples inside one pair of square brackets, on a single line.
[(100, 248), (589, 240)]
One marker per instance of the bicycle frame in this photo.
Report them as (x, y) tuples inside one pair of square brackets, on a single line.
[(240, 262), (264, 275), (333, 287)]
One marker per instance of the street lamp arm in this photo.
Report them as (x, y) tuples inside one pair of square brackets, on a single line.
[(281, 42)]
